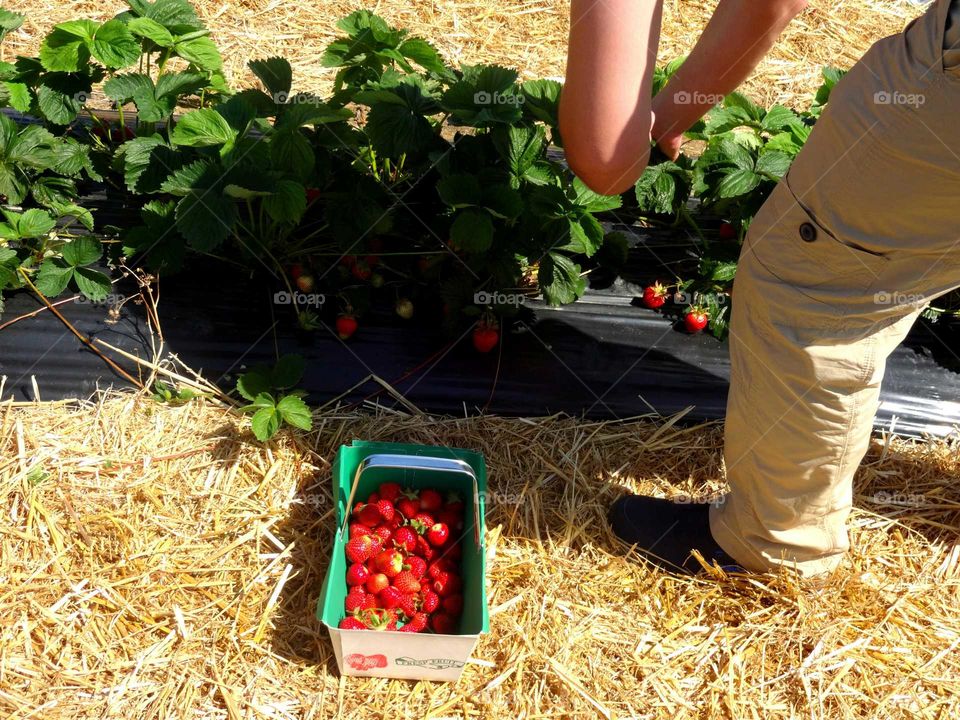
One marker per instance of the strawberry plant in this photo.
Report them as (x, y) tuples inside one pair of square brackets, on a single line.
[(273, 402)]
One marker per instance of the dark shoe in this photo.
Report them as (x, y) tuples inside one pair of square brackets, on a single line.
[(666, 533)]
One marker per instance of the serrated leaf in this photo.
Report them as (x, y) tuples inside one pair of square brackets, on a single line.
[(151, 30), (779, 118), (397, 129), (92, 283), (472, 231), (560, 279), (178, 16), (424, 54), (200, 51), (287, 203), (198, 175), (294, 411), (18, 96), (542, 100), (66, 47), (253, 383), (114, 45), (56, 104), (720, 120), (737, 154), (291, 150), (587, 199), (521, 147), (206, 219), (265, 423), (737, 183), (774, 162), (35, 223), (147, 162), (503, 201), (275, 73), (9, 21), (737, 100), (53, 277), (202, 128), (82, 251)]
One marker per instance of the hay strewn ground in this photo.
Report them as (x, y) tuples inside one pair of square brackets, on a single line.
[(157, 562), (527, 34)]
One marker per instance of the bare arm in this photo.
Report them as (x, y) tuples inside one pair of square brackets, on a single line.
[(605, 104), (738, 36)]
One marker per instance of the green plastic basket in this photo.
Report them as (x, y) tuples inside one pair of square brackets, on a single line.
[(394, 654)]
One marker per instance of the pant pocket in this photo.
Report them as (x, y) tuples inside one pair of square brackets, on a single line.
[(801, 250)]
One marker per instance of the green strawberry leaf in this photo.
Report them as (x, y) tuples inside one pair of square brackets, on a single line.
[(18, 95), (92, 283), (560, 279), (201, 51), (253, 383), (35, 223), (66, 47), (54, 276), (276, 75), (295, 412), (9, 21), (288, 202), (114, 45), (288, 371), (206, 218), (737, 183), (265, 423), (459, 190), (290, 149), (82, 251), (153, 31), (203, 128)]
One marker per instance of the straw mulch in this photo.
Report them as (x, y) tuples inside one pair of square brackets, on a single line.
[(527, 34), (156, 562)]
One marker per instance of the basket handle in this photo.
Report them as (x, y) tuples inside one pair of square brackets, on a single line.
[(416, 462)]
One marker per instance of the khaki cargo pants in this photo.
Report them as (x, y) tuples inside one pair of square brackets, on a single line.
[(862, 233)]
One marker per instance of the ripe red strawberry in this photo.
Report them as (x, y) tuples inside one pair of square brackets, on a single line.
[(406, 582), (408, 507), (409, 604), (360, 549), (357, 574), (390, 597), (358, 529), (384, 532), (426, 584), (389, 562), (727, 231), (417, 623), (352, 623), (485, 338), (443, 624), (346, 326), (425, 549), (405, 539), (447, 584), (296, 270), (418, 566), (376, 582), (369, 602), (453, 604), (425, 519), (386, 509), (313, 194), (367, 515), (390, 491), (654, 296), (355, 599), (438, 534), (373, 499), (430, 500), (430, 601), (305, 283), (695, 320)]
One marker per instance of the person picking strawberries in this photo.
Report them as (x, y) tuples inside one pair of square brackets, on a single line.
[(859, 236)]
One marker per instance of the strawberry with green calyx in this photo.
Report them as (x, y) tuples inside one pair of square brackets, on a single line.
[(695, 320), (655, 296), (418, 566), (404, 538), (362, 548), (437, 534), (408, 507), (357, 574), (417, 623), (352, 623), (423, 518)]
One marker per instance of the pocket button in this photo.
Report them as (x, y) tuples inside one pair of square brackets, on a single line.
[(808, 233)]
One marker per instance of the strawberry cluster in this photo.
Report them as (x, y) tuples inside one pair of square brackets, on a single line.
[(404, 571)]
